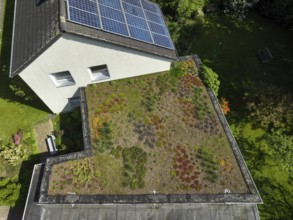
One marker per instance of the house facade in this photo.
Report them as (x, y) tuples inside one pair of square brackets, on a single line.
[(56, 51)]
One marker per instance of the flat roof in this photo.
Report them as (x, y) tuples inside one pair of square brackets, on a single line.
[(179, 211)]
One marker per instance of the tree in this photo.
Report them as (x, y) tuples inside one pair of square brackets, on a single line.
[(9, 192), (283, 150), (210, 78), (269, 106), (278, 200), (182, 8), (280, 11), (235, 8)]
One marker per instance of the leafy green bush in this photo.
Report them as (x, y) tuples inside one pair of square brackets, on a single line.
[(9, 192), (280, 11), (235, 8), (13, 153), (210, 78), (20, 89), (269, 106)]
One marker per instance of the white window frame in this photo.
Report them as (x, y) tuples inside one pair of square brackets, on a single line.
[(99, 73), (64, 80)]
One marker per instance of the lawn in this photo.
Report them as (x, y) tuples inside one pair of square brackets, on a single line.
[(156, 132), (230, 48), (17, 114)]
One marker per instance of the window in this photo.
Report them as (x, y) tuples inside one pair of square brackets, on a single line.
[(99, 73), (62, 79)]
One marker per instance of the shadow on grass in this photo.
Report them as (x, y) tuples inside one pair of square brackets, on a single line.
[(5, 82), (68, 131), (230, 47), (25, 174)]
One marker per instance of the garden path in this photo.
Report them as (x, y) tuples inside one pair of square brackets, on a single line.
[(4, 211), (42, 130)]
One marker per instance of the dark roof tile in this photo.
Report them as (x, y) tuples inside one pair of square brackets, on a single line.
[(38, 26), (35, 29)]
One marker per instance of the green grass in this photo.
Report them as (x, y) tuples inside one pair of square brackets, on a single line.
[(15, 112), (2, 23), (230, 48), (15, 116)]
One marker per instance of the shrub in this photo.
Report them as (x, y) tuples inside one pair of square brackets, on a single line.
[(20, 89), (13, 153), (269, 106), (9, 192), (224, 106), (17, 137), (210, 78), (236, 8)]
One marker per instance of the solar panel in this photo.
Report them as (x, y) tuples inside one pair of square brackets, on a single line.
[(83, 17), (133, 2), (162, 40), (158, 28), (154, 17), (150, 6), (111, 13), (137, 19), (140, 34), (86, 5), (133, 10), (114, 26), (112, 3)]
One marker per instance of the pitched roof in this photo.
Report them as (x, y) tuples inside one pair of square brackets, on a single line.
[(35, 29), (38, 26)]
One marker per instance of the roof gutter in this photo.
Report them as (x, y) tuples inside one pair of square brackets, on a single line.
[(12, 40)]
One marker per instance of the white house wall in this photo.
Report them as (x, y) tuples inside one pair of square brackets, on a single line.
[(76, 54)]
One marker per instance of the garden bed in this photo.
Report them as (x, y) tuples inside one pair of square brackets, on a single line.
[(152, 134)]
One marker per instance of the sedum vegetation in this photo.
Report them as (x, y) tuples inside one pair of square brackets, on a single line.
[(259, 97), (256, 97), (158, 131)]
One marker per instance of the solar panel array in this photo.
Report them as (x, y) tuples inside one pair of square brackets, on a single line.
[(137, 19)]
